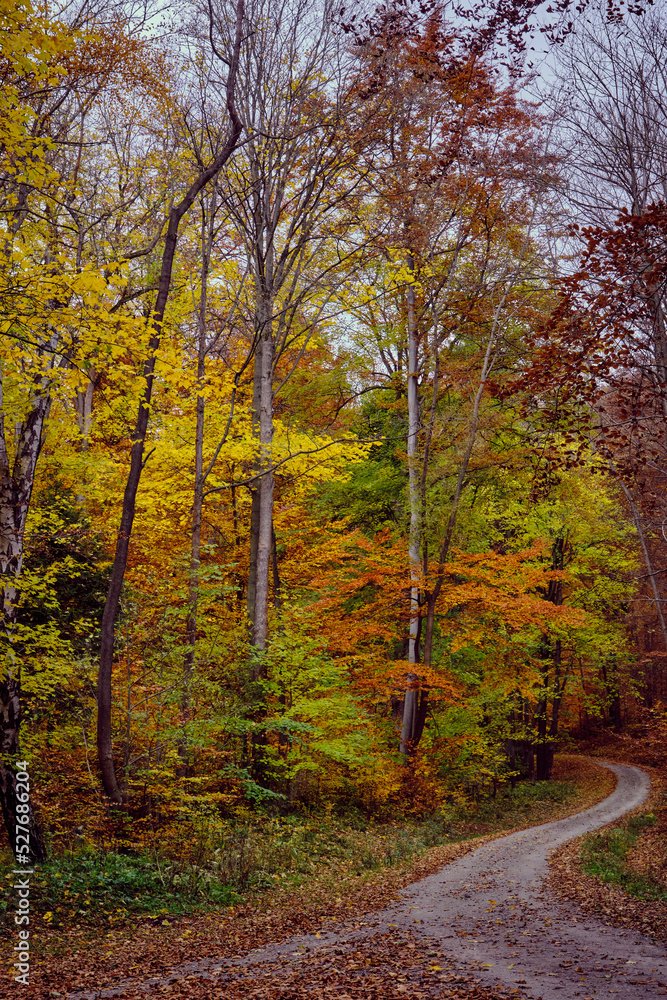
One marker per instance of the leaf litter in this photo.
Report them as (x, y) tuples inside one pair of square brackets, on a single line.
[(380, 966), (569, 882)]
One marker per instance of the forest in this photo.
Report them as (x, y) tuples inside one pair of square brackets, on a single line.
[(333, 426)]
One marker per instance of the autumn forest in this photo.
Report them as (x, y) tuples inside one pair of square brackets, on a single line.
[(333, 422)]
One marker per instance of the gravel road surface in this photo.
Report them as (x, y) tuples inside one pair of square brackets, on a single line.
[(490, 913)]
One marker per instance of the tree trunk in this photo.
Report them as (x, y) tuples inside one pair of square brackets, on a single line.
[(15, 492), (266, 485), (431, 597), (411, 701), (262, 510), (413, 478), (198, 497), (252, 564), (613, 695), (104, 740), (277, 601), (544, 754), (657, 601), (195, 557), (254, 487), (559, 689), (547, 732), (413, 715), (543, 748), (410, 714)]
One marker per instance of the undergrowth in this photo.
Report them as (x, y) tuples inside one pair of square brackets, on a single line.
[(512, 806), (88, 886), (605, 856), (214, 862)]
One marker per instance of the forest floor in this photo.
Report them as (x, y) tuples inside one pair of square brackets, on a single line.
[(353, 951), (620, 875)]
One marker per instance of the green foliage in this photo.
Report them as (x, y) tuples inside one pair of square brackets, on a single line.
[(370, 499), (64, 577), (524, 801), (63, 590), (373, 494), (90, 887), (325, 732), (605, 855)]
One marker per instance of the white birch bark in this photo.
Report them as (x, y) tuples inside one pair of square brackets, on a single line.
[(15, 490)]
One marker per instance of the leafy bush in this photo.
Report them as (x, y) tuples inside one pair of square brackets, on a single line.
[(222, 861)]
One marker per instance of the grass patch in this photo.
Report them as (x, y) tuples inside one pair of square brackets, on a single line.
[(89, 887), (605, 856)]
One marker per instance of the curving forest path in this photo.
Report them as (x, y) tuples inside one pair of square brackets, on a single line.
[(490, 909), (491, 918)]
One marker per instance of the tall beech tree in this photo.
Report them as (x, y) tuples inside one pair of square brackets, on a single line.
[(207, 342), (287, 196), (176, 215), (460, 176)]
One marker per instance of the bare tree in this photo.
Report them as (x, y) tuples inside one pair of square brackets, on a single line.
[(611, 104), (612, 113)]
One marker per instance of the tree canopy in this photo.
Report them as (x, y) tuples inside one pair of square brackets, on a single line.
[(333, 406)]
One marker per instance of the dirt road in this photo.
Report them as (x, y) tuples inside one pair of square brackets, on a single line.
[(491, 919), (489, 909), (490, 912)]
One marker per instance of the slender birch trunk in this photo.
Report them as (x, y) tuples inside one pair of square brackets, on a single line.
[(15, 490)]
